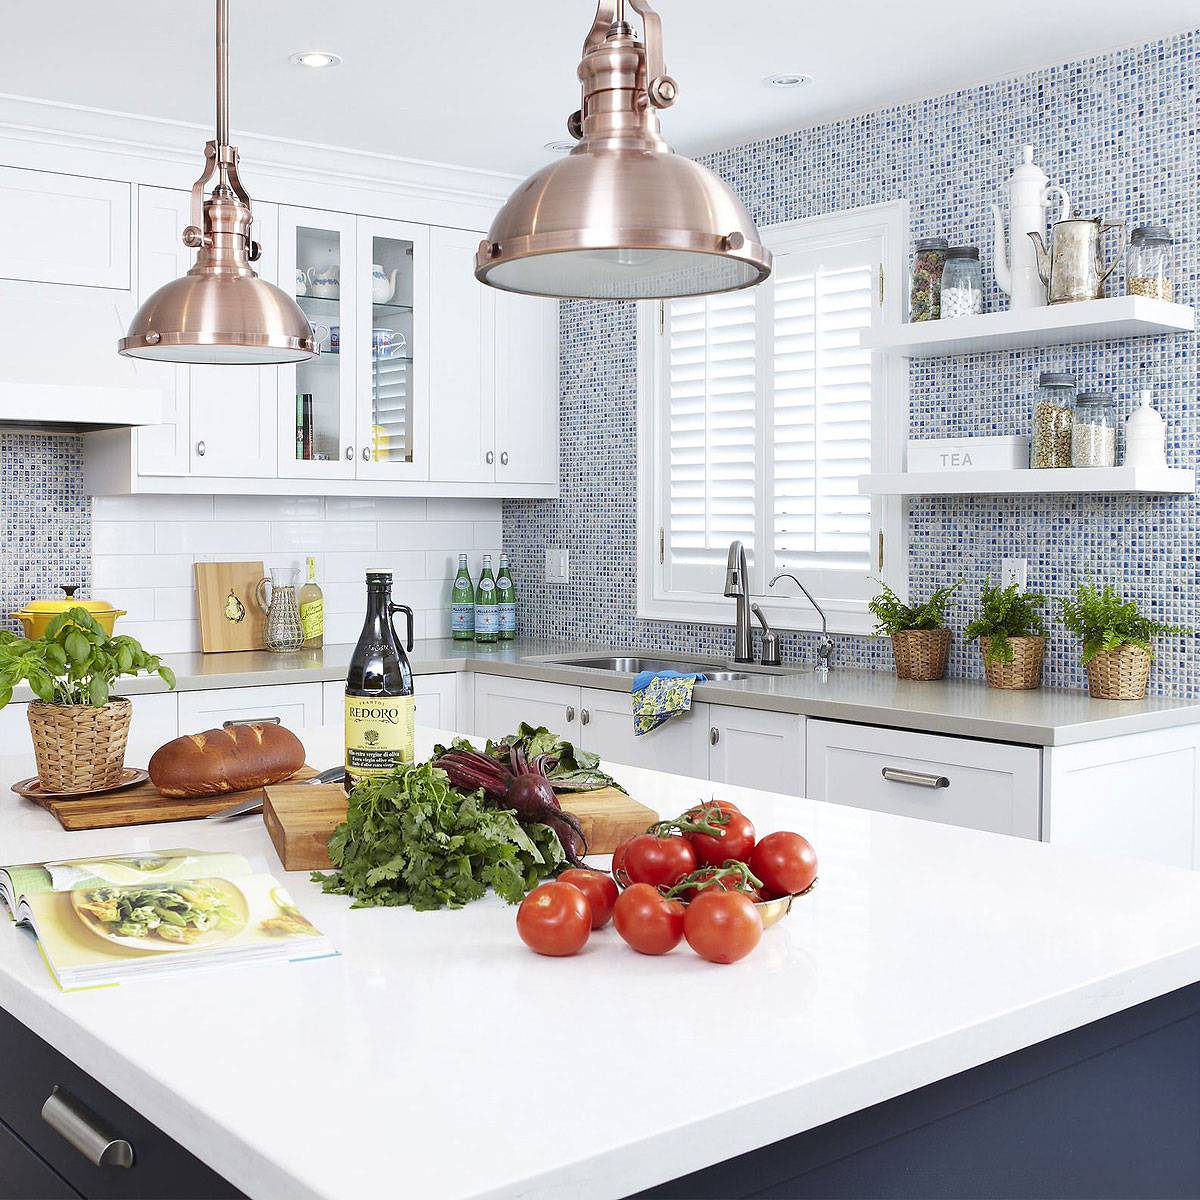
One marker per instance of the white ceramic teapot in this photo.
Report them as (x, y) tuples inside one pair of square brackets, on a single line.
[(324, 281), (383, 285)]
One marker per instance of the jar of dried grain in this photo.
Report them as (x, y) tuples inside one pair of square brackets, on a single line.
[(929, 257), (1094, 430), (1148, 264), (1053, 413)]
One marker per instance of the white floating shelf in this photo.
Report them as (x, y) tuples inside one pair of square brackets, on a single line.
[(1145, 480), (1054, 325)]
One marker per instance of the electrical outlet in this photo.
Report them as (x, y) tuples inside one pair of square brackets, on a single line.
[(558, 565), (1014, 570)]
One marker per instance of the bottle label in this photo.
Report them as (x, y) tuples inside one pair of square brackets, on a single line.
[(379, 734), (312, 618), (462, 618), (508, 618), (487, 618)]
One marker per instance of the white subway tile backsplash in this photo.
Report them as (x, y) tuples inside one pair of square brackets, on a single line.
[(303, 537), (122, 537), (488, 534), (347, 568), (464, 509), (138, 603), (375, 508), (212, 537), (425, 535), (140, 570), (164, 637), (175, 604), (152, 508), (269, 508)]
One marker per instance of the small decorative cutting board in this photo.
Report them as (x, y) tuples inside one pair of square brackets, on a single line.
[(144, 805), (230, 616), (301, 820)]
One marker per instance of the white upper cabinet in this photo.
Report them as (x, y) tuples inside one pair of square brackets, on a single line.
[(462, 441), (526, 389), (64, 229)]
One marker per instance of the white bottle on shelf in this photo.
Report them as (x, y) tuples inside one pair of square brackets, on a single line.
[(1145, 435)]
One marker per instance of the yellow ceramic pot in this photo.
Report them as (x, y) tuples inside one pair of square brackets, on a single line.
[(37, 614)]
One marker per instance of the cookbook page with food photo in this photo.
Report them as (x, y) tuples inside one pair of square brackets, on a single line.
[(101, 921)]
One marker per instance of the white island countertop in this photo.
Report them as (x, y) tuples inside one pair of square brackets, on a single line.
[(437, 1056)]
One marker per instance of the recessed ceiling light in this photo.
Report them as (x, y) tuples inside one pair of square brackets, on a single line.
[(561, 147), (787, 79), (315, 59)]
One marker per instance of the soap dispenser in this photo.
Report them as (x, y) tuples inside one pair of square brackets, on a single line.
[(1145, 435)]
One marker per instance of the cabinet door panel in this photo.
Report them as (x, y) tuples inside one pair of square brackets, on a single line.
[(526, 389), (296, 705), (990, 786), (436, 701), (23, 1175), (501, 704), (64, 229), (679, 747), (461, 379), (753, 748)]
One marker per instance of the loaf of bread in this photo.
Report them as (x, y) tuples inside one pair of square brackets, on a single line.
[(226, 760)]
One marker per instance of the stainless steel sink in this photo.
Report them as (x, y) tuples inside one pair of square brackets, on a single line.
[(631, 666)]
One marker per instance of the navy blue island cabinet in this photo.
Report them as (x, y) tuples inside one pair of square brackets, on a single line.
[(1111, 1109)]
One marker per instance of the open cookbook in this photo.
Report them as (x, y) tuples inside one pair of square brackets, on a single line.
[(101, 921)]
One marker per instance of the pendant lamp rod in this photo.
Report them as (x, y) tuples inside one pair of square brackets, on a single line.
[(222, 72)]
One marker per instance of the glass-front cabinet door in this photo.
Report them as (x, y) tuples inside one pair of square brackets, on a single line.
[(392, 350), (317, 409)]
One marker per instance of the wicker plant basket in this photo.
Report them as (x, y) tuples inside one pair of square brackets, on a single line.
[(1120, 674), (1025, 670), (78, 747), (921, 653)]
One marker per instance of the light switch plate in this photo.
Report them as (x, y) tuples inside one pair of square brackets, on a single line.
[(558, 565), (1014, 570)]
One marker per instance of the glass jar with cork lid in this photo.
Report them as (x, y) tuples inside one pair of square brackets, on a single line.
[(1053, 415)]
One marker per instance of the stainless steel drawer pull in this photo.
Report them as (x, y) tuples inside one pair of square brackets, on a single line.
[(570, 713), (77, 1124), (915, 778), (714, 735), (585, 716), (252, 721)]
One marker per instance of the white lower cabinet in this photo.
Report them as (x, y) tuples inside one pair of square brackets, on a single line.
[(749, 747), (155, 722), (502, 703), (295, 704), (959, 781), (436, 704), (679, 747)]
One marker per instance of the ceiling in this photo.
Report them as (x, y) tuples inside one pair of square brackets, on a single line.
[(486, 85)]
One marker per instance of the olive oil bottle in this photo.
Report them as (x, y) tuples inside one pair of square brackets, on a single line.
[(379, 689)]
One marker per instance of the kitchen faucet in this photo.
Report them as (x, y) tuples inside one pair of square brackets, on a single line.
[(737, 586), (825, 645)]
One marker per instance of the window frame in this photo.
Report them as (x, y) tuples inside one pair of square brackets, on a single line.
[(888, 221)]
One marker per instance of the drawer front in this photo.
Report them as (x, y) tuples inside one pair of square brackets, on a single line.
[(501, 704), (958, 781), (161, 1167), (23, 1176), (606, 728), (752, 748), (296, 705)]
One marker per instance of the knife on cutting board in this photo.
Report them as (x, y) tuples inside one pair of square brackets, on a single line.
[(248, 807)]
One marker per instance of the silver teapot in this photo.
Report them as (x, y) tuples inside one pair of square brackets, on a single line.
[(1073, 268)]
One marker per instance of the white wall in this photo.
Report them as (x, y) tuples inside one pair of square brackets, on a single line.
[(143, 549)]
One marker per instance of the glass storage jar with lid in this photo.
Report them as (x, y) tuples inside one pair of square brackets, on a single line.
[(1053, 413), (1148, 264), (962, 283), (929, 257), (1094, 430)]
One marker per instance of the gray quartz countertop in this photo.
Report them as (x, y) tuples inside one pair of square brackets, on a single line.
[(1045, 717)]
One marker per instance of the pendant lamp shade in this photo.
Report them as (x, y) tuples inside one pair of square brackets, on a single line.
[(220, 311), (622, 217)]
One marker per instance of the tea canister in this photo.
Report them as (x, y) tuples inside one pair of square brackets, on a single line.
[(1094, 430), (962, 283), (1053, 415), (1148, 264), (929, 258)]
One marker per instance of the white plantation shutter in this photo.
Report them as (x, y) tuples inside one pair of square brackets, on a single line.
[(390, 408), (711, 428), (767, 413)]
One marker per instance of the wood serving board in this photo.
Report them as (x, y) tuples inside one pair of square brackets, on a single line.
[(230, 618), (142, 805), (301, 820)]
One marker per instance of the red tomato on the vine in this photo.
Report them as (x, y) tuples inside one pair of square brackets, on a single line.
[(600, 890), (658, 861), (736, 839), (722, 927), (727, 883), (555, 919), (618, 862), (647, 920), (785, 862)]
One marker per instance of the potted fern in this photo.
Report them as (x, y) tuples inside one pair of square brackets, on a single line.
[(1012, 636), (920, 637), (1116, 641), (79, 729)]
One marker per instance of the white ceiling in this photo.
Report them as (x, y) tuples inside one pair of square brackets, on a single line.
[(485, 84)]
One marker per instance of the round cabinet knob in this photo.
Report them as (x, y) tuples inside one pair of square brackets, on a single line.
[(366, 454), (714, 736), (504, 458), (200, 449), (490, 457), (570, 713), (349, 453), (585, 717)]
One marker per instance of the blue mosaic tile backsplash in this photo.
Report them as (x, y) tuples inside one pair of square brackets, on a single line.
[(1120, 132), (45, 520)]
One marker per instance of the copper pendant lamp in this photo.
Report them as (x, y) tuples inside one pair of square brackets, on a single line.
[(220, 311), (622, 217)]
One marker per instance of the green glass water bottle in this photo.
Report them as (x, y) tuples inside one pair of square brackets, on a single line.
[(487, 607), (462, 604), (506, 594)]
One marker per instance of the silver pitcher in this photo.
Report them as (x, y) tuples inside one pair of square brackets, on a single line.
[(1073, 268)]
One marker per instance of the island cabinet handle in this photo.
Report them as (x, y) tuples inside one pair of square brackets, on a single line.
[(570, 713), (77, 1124), (714, 735), (585, 716), (915, 778)]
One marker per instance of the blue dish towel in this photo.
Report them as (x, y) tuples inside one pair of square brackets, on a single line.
[(659, 697)]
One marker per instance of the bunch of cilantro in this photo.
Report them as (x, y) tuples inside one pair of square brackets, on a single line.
[(410, 838)]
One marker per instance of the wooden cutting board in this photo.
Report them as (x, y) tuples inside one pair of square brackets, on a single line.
[(301, 820), (230, 616), (142, 805)]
